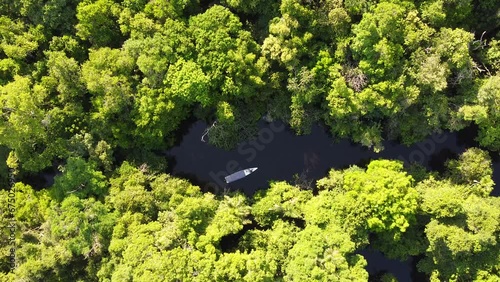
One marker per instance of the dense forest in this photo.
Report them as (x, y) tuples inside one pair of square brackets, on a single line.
[(95, 89)]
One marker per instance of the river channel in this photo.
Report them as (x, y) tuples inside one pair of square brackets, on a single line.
[(279, 154)]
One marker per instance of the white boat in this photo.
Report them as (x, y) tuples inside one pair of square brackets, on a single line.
[(239, 174)]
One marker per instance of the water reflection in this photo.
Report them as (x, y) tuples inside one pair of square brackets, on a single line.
[(280, 155)]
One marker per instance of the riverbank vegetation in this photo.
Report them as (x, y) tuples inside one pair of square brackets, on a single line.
[(94, 77), (95, 88), (141, 225)]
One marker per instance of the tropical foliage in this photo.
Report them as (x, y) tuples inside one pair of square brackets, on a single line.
[(92, 89), (152, 226)]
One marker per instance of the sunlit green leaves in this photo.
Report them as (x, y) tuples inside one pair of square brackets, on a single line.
[(365, 200), (280, 200), (323, 255), (107, 77), (26, 119), (87, 84), (379, 38), (97, 22), (156, 115), (187, 81), (441, 199), (79, 178), (226, 53), (485, 112), (453, 45), (18, 40), (473, 168), (128, 192), (471, 244)]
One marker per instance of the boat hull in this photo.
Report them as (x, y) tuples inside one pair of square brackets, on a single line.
[(239, 174)]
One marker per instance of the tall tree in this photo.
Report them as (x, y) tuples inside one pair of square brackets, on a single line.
[(379, 200), (227, 54), (108, 77), (484, 111), (79, 178), (28, 125), (97, 23)]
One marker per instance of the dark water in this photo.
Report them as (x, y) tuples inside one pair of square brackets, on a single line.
[(379, 264), (279, 154)]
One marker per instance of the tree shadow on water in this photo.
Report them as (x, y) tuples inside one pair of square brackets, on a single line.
[(437, 161)]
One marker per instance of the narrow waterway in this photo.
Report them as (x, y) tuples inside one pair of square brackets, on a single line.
[(279, 155)]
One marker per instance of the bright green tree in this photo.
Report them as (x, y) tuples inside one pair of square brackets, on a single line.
[(107, 76), (227, 54), (484, 111), (379, 200), (473, 168), (73, 235), (79, 178), (280, 200), (25, 127), (97, 23), (18, 40), (324, 255)]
